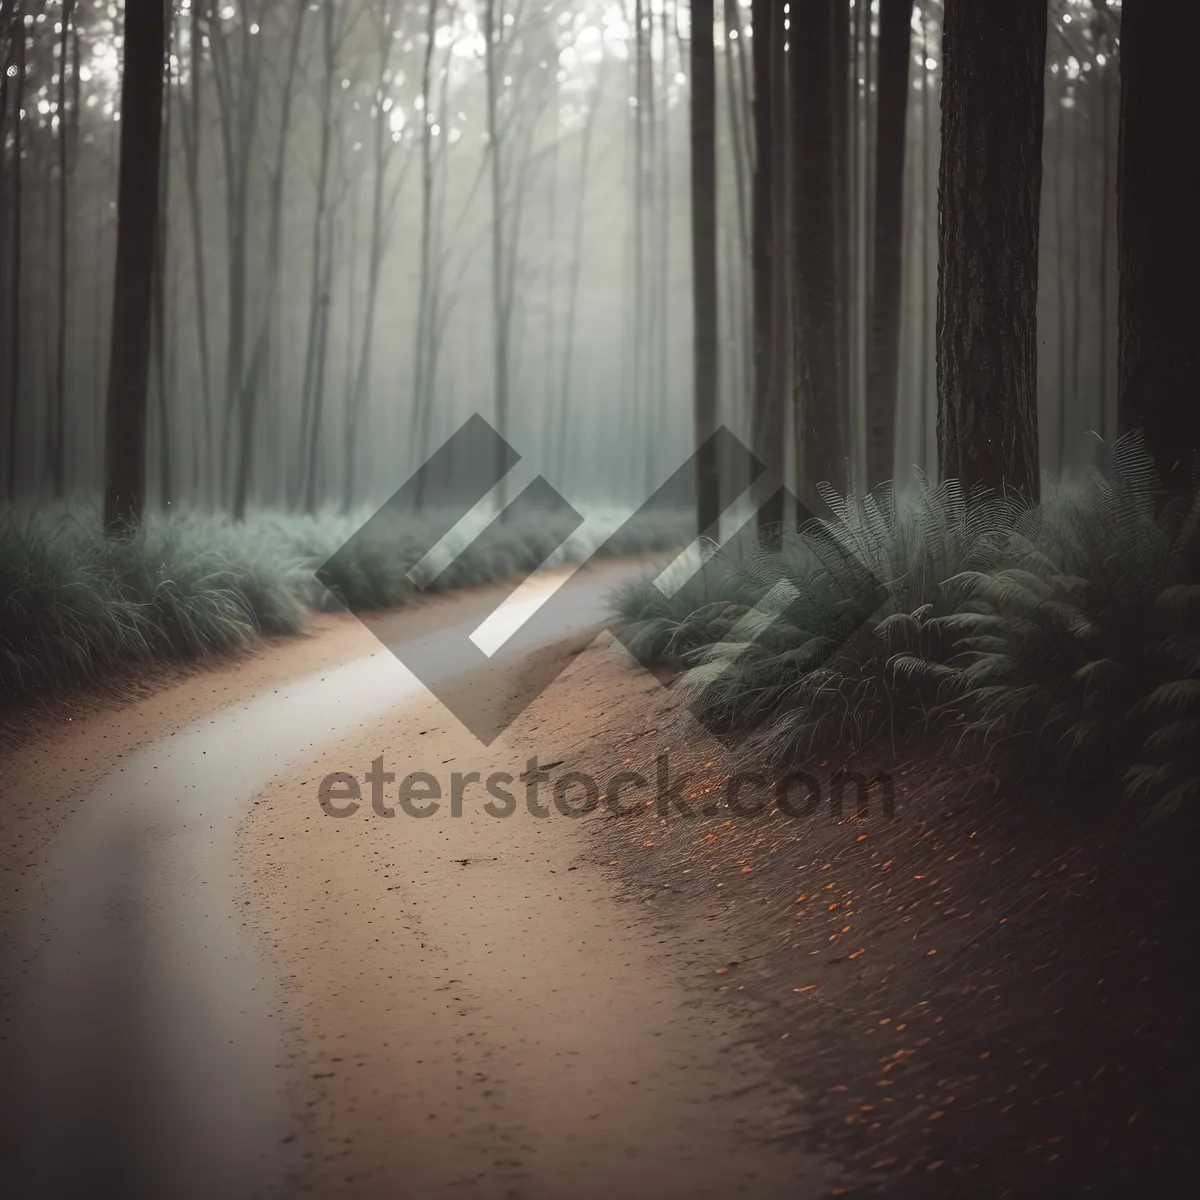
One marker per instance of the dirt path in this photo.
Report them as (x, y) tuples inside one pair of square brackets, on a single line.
[(200, 1002)]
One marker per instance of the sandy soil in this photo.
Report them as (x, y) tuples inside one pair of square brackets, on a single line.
[(977, 995), (480, 1016), (212, 988)]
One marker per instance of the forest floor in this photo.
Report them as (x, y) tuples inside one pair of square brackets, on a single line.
[(988, 999), (211, 987)]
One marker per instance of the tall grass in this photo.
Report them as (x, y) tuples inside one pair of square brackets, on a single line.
[(1062, 639), (75, 606)]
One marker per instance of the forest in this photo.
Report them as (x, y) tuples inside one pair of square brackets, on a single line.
[(823, 376), (931, 266)]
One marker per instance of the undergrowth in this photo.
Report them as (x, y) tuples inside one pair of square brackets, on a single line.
[(1058, 642), (76, 607)]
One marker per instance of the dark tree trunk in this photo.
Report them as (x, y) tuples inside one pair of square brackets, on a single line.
[(190, 128), (58, 445), (895, 37), (990, 182), (1158, 241), (815, 102), (275, 205), (17, 254), (704, 261), (137, 232), (768, 391)]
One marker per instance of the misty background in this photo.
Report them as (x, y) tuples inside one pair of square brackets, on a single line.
[(378, 220)]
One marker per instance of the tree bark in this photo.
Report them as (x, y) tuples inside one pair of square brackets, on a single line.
[(190, 131), (260, 356), (383, 156), (1158, 242), (990, 182), (895, 42), (493, 33), (58, 447), (815, 103), (576, 269), (768, 390), (17, 251), (137, 231), (704, 262)]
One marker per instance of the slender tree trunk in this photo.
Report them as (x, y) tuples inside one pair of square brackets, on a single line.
[(500, 317), (990, 184), (838, 53), (1061, 272), (318, 301), (1158, 237), (704, 263), (928, 348), (17, 244), (585, 156), (768, 395), (1076, 256), (425, 318), (190, 129), (815, 101), (262, 346), (58, 456), (358, 394), (1105, 220), (158, 321), (895, 50), (740, 118), (137, 231)]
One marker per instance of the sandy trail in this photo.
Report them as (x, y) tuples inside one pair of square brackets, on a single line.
[(213, 988)]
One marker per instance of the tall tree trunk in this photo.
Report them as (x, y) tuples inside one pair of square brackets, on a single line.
[(895, 46), (137, 231), (18, 242), (768, 392), (58, 449), (585, 157), (704, 263), (1061, 389), (312, 388), (990, 182), (815, 101), (741, 297), (158, 320), (425, 316), (492, 33), (190, 130), (262, 345), (1158, 241), (1106, 189), (358, 392)]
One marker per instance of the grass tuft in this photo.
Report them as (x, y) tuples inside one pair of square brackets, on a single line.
[(76, 607)]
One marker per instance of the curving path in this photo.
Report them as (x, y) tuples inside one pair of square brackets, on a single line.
[(197, 939)]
